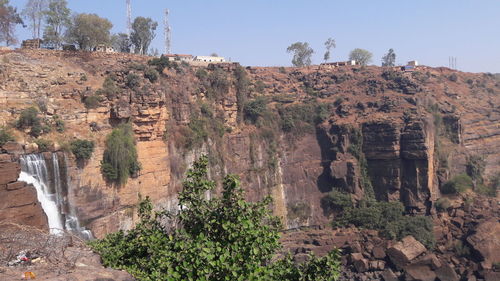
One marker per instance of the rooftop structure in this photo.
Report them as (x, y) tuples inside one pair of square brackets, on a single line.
[(340, 63)]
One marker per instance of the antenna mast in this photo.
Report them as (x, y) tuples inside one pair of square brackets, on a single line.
[(129, 18), (167, 33)]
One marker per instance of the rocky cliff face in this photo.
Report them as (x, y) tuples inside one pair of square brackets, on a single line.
[(383, 133), (19, 204)]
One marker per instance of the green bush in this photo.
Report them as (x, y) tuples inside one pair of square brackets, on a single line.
[(58, 124), (132, 80), (299, 119), (458, 184), (109, 88), (82, 149), (475, 167), (491, 188), (201, 74), (160, 63), (151, 74), (43, 144), (5, 136), (120, 156), (255, 109), (336, 201), (442, 204), (221, 238), (219, 84), (453, 77), (299, 210), (389, 219), (29, 117), (92, 101)]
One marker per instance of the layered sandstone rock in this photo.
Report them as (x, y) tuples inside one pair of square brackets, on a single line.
[(19, 203)]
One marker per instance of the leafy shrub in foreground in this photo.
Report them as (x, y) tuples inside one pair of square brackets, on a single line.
[(222, 238)]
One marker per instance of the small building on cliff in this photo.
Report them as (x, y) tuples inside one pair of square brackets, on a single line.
[(209, 59), (104, 48), (179, 57), (31, 43)]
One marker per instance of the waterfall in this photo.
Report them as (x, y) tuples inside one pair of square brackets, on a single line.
[(51, 187)]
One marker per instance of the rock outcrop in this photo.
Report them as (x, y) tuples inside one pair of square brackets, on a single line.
[(19, 203)]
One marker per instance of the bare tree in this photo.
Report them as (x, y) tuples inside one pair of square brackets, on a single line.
[(34, 12), (329, 44)]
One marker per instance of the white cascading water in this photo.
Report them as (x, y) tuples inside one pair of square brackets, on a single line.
[(54, 203)]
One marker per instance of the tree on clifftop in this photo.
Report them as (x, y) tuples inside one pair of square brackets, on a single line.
[(89, 30), (389, 59), (34, 12), (329, 44), (121, 42), (143, 32), (361, 56), (57, 18), (301, 53), (9, 18)]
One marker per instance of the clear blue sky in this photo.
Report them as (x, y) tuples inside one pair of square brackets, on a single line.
[(257, 32)]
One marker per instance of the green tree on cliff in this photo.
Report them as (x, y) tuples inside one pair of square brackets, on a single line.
[(361, 56), (57, 19), (143, 32), (389, 59), (329, 44), (222, 238), (301, 53), (9, 18), (89, 30)]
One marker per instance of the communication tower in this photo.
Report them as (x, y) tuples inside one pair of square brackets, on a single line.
[(167, 33), (129, 18)]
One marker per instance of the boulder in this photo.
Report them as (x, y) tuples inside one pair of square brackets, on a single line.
[(446, 273), (405, 251), (486, 241), (419, 272), (359, 262), (388, 275), (378, 252)]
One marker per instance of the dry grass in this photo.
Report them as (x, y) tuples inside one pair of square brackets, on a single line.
[(56, 250)]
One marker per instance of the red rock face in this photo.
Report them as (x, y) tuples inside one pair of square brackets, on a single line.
[(19, 204), (395, 122)]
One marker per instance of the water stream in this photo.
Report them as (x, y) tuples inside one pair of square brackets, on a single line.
[(50, 182)]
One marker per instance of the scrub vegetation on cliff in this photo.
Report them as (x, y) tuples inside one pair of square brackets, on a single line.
[(222, 238)]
